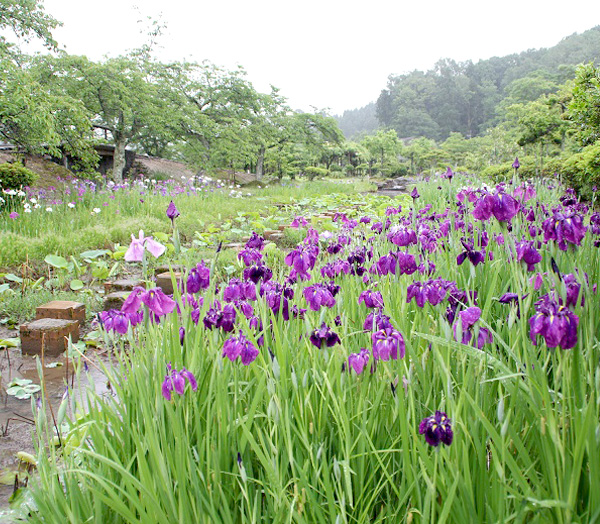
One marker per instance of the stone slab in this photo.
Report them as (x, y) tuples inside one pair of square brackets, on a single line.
[(51, 333), (115, 299), (269, 234), (165, 281), (236, 246), (61, 309), (121, 285), (165, 268)]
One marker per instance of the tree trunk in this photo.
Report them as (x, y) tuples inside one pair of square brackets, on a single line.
[(260, 162), (118, 161)]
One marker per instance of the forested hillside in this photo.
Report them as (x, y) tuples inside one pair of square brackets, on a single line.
[(467, 97), (354, 122)]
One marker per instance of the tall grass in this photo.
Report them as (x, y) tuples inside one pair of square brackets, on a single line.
[(102, 217), (297, 436)]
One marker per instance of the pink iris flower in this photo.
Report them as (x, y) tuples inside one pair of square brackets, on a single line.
[(135, 253)]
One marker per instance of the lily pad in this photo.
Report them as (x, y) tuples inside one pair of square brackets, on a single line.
[(9, 342), (76, 284), (7, 477), (22, 388), (94, 253), (56, 261)]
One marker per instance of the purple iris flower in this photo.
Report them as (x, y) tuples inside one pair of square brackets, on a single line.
[(175, 381), (360, 255), (565, 229), (371, 298), (240, 346), (258, 272), (115, 320), (527, 253), (335, 268), (475, 257), (386, 264), (507, 298), (415, 194), (573, 288), (238, 290), (556, 323), (378, 320), (465, 324), (227, 318), (318, 295), (432, 291), (525, 192), (172, 212), (187, 299), (276, 296), (198, 278), (324, 335), (503, 206), (388, 343), (250, 256), (255, 242), (595, 223), (437, 428), (220, 318), (358, 361), (448, 174), (157, 302), (407, 264), (298, 222), (334, 248), (516, 164), (402, 236), (301, 260)]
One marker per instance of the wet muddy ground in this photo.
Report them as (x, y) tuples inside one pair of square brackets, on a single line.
[(16, 427)]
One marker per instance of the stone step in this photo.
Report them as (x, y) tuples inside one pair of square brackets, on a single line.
[(115, 300), (272, 235), (236, 246), (52, 333), (122, 285), (164, 268), (61, 309), (165, 282)]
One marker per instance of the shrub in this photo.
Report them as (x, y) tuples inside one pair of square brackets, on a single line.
[(503, 172), (581, 171), (395, 170), (15, 176), (313, 172)]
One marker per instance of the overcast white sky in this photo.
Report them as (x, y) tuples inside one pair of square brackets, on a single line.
[(334, 54)]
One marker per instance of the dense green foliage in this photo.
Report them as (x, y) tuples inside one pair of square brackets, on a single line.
[(32, 118), (16, 176), (471, 116), (27, 20)]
